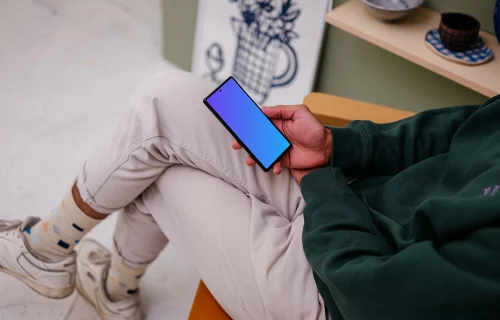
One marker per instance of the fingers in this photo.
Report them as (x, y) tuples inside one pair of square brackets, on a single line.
[(250, 162), (282, 112), (277, 168), (235, 145)]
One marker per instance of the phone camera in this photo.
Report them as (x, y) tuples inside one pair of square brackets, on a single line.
[(220, 90)]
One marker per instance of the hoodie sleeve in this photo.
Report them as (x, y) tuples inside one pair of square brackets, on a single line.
[(369, 149)]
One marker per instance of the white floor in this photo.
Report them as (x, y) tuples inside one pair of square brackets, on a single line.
[(66, 71)]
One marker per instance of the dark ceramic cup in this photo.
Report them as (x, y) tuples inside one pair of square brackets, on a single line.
[(458, 31)]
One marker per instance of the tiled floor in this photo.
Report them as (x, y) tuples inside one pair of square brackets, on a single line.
[(66, 71)]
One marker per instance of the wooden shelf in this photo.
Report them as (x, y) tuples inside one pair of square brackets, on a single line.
[(406, 38)]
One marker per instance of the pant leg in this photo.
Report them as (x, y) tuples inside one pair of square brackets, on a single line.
[(169, 125), (249, 255), (137, 238)]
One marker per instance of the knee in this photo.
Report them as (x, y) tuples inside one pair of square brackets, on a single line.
[(173, 88), (171, 83)]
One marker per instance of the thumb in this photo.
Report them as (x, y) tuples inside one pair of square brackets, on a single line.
[(281, 112)]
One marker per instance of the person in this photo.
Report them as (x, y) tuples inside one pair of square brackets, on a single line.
[(391, 221)]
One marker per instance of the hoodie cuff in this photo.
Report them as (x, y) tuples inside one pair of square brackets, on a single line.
[(350, 149)]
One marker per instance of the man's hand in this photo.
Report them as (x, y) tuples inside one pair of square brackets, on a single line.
[(311, 142)]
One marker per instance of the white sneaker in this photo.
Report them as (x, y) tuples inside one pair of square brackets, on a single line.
[(50, 279), (93, 263)]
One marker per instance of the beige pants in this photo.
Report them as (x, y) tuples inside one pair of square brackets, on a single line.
[(171, 166)]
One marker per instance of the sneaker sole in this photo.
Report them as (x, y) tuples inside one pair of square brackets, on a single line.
[(40, 288)]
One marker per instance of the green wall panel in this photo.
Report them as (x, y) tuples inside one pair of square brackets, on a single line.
[(179, 24)]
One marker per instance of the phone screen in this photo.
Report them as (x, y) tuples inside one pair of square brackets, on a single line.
[(247, 123)]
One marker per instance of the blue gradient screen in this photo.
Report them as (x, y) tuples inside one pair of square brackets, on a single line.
[(246, 120)]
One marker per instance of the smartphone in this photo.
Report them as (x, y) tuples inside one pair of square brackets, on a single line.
[(247, 123)]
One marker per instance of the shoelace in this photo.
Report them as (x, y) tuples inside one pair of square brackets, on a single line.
[(9, 224)]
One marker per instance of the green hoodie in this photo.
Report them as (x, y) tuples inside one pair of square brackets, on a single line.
[(417, 235)]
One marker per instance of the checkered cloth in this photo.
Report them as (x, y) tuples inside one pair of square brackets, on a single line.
[(255, 63), (477, 53)]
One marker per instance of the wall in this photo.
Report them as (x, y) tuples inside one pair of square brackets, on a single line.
[(179, 24), (352, 67)]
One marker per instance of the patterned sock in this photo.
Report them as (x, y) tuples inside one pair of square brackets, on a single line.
[(55, 236), (122, 280)]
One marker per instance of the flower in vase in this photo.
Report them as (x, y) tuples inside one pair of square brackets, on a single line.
[(248, 17), (272, 18)]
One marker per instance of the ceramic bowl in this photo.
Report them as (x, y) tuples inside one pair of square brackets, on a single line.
[(389, 10), (458, 31)]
